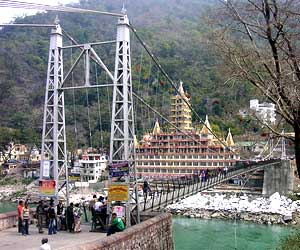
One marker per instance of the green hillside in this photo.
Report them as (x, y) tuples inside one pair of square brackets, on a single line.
[(175, 30)]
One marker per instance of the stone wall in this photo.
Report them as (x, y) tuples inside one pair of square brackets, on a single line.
[(153, 234), (278, 178), (10, 219)]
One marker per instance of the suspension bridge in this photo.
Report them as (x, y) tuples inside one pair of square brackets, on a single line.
[(89, 71)]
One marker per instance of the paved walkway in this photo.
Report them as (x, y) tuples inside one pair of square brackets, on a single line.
[(10, 239)]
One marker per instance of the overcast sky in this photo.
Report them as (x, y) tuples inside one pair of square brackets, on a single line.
[(8, 14)]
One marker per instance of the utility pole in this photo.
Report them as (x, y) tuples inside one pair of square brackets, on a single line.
[(122, 148), (54, 152)]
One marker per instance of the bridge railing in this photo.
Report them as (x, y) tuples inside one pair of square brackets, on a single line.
[(165, 192)]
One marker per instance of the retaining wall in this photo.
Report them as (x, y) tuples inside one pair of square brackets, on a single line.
[(153, 234), (10, 219)]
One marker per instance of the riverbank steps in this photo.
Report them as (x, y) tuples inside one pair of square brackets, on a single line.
[(273, 210)]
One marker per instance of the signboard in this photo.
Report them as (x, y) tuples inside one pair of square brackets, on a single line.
[(73, 178), (118, 192), (119, 210), (118, 169), (46, 168), (47, 187)]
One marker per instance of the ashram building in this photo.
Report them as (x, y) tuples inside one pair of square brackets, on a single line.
[(182, 150)]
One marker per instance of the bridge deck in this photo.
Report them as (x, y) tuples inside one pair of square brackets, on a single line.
[(166, 193), (11, 239)]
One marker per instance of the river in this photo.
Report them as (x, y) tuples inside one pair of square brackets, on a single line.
[(194, 234)]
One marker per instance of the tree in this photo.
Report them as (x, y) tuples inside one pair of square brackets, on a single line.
[(259, 43)]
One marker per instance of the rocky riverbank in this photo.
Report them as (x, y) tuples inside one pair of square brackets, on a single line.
[(273, 210)]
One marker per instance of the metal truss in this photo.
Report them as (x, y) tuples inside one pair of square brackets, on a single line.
[(54, 151), (122, 125)]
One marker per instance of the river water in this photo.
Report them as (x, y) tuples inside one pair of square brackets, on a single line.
[(196, 234)]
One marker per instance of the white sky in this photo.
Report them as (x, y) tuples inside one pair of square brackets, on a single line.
[(8, 14)]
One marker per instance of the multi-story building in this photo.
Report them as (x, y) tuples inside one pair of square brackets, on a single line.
[(182, 150), (264, 111), (92, 167)]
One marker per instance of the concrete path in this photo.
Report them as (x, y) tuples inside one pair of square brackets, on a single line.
[(10, 239)]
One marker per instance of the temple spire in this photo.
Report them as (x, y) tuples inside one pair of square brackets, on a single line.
[(206, 127), (180, 89), (156, 129), (181, 115), (229, 139)]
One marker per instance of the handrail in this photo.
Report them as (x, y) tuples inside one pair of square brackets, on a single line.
[(192, 184)]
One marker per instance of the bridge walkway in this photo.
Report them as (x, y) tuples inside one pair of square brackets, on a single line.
[(166, 193), (11, 239)]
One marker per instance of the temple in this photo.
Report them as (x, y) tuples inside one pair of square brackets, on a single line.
[(182, 150)]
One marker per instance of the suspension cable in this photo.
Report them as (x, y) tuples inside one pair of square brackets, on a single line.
[(37, 6), (99, 109), (171, 124), (88, 113), (156, 61), (74, 104)]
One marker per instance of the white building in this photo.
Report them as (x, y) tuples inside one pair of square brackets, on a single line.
[(92, 167), (264, 111)]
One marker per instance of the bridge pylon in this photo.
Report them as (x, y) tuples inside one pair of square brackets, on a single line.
[(122, 147), (54, 151)]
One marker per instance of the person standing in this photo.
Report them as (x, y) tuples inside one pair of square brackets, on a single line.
[(40, 214), (77, 218), (25, 220), (117, 225), (60, 215), (70, 217), (20, 211), (52, 219)]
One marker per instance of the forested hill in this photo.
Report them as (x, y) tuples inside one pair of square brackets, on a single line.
[(173, 29)]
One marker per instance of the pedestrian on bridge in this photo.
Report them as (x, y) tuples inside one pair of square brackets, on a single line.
[(20, 210), (25, 220), (70, 217), (225, 170), (77, 218), (203, 178), (40, 214), (52, 219)]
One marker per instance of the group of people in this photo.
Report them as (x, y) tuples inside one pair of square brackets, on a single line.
[(205, 174), (98, 208), (48, 215), (73, 218), (23, 218), (57, 218)]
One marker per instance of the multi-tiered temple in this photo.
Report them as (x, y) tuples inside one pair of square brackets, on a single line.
[(182, 150)]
